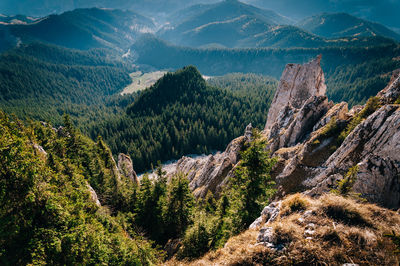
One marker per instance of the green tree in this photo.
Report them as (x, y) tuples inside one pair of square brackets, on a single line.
[(251, 184), (178, 207)]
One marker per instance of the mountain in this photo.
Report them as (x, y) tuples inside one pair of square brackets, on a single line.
[(86, 28), (383, 11), (336, 25), (46, 7), (181, 114), (328, 161), (224, 23)]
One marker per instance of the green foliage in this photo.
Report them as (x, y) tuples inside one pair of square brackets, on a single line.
[(46, 211), (345, 185), (178, 207), (198, 237), (238, 206), (251, 185), (396, 240), (371, 106)]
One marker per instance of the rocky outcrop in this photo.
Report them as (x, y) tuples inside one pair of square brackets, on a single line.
[(268, 215), (374, 147), (298, 83), (295, 125), (93, 195), (298, 104), (211, 172), (310, 155), (125, 167), (392, 91)]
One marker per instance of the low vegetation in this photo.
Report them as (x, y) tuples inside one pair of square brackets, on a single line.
[(345, 231)]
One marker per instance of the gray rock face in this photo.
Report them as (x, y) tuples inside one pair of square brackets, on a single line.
[(125, 167), (93, 195), (213, 171), (339, 111), (392, 91), (294, 125), (268, 215), (298, 104), (298, 83), (374, 146)]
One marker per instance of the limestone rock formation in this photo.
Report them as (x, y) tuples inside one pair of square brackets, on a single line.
[(310, 157), (212, 172), (298, 104), (298, 83), (125, 167), (93, 195), (374, 146), (392, 91)]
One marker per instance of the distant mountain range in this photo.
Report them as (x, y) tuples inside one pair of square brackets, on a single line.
[(85, 28), (234, 24), (336, 25), (382, 11), (226, 24)]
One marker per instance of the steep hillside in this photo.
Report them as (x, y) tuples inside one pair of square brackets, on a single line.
[(304, 231), (86, 28), (41, 81), (50, 212), (338, 25), (180, 115)]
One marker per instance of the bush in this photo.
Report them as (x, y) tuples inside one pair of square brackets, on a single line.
[(371, 106), (294, 203)]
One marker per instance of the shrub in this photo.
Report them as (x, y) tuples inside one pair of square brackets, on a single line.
[(345, 185), (294, 203), (371, 106)]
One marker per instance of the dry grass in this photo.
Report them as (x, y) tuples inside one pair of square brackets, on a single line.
[(294, 203), (345, 231)]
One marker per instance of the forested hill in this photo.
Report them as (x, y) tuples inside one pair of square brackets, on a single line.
[(182, 115), (42, 81), (354, 73)]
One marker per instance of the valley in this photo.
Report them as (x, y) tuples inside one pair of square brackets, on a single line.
[(141, 81)]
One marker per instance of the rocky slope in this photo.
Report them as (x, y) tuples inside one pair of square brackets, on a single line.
[(318, 142), (300, 230)]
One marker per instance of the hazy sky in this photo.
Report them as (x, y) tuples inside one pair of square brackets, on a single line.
[(383, 11)]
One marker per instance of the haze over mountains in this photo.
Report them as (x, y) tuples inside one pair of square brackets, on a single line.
[(384, 11)]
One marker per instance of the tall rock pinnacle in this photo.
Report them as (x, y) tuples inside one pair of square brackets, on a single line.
[(298, 83)]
